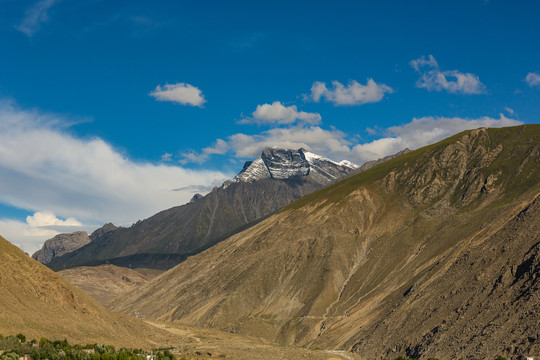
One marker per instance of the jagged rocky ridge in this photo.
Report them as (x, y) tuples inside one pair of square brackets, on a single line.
[(64, 243), (432, 254), (276, 163), (61, 244), (264, 186)]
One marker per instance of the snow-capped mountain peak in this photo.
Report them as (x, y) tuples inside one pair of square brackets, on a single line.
[(279, 163)]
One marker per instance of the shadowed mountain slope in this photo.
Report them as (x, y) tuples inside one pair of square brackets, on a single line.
[(37, 302), (433, 254), (264, 186)]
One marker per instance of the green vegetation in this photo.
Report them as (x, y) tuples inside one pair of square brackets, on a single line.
[(15, 347)]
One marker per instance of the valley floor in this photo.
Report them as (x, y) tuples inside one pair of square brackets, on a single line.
[(203, 343)]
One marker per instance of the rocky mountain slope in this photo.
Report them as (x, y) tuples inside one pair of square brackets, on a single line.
[(264, 186), (64, 243), (433, 254), (37, 302)]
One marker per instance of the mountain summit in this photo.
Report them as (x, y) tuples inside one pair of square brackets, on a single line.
[(264, 186), (277, 163)]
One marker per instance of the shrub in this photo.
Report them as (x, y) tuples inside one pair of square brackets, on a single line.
[(21, 337)]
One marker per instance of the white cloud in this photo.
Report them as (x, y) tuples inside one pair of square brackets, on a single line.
[(313, 138), (423, 131), (47, 218), (39, 227), (419, 63), (166, 157), (35, 16), (181, 93), (337, 145), (352, 94), (43, 167), (509, 110), (452, 81), (532, 79), (277, 113), (241, 145), (220, 147)]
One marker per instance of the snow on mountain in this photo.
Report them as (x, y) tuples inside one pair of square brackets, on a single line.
[(278, 163)]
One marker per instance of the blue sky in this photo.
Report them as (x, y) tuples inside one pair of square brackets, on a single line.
[(113, 110)]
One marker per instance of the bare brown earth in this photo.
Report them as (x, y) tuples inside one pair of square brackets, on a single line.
[(105, 282), (433, 254), (201, 343), (39, 303)]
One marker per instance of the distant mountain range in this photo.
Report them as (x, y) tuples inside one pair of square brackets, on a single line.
[(434, 254), (264, 186)]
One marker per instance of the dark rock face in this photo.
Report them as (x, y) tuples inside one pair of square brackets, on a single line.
[(283, 164), (195, 198), (102, 231), (62, 244), (271, 182), (59, 245)]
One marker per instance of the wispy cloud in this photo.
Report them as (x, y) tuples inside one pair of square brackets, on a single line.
[(35, 16), (242, 145), (353, 93), (453, 81), (532, 79), (509, 110), (277, 113), (180, 93), (166, 157), (337, 145), (220, 147), (42, 167)]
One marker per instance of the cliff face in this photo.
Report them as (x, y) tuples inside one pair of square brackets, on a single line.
[(431, 254), (62, 244), (59, 245), (264, 186)]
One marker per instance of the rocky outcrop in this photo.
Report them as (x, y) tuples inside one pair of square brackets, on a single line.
[(61, 244), (102, 231), (195, 198)]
